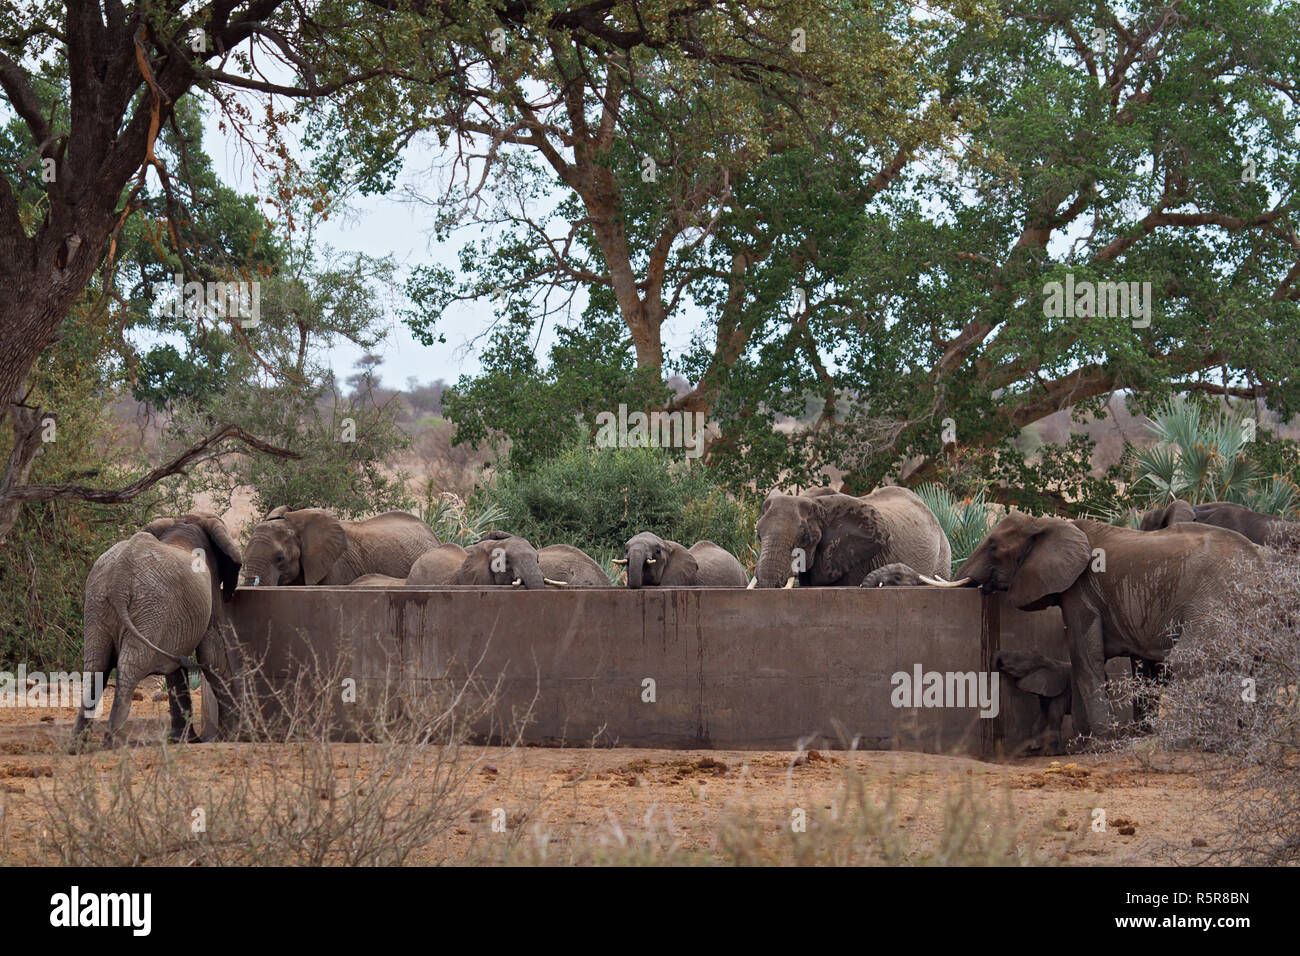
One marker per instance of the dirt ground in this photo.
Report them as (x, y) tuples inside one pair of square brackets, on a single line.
[(561, 805)]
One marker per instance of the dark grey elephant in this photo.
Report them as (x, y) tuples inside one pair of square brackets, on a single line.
[(311, 546), (1271, 530), (653, 561), (823, 538), (1049, 680), (151, 602), (1122, 593), (899, 575)]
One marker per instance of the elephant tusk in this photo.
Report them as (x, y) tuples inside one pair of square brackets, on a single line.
[(256, 579), (753, 582), (938, 583), (651, 560), (619, 561), (556, 584), (790, 582), (516, 582)]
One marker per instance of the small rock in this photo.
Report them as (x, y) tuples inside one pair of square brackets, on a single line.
[(489, 768), (40, 771), (1200, 841), (161, 695), (136, 695), (48, 719), (1127, 831)]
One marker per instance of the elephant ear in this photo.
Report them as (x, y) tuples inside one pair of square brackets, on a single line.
[(1045, 682), (229, 558), (853, 533), (682, 567), (474, 569), (158, 526), (1056, 553), (274, 513), (321, 539), (1179, 512)]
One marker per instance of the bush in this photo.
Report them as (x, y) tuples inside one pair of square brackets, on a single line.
[(596, 499)]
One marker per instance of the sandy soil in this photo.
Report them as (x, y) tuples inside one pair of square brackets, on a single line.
[(565, 804)]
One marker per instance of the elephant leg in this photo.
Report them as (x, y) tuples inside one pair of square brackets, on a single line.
[(1152, 675), (212, 658), (1087, 663), (98, 662), (1057, 708), (181, 707), (127, 679)]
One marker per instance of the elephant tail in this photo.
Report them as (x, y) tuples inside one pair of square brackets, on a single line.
[(117, 600)]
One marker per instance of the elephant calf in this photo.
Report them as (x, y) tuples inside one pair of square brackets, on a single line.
[(653, 561), (502, 559), (1049, 680), (151, 602)]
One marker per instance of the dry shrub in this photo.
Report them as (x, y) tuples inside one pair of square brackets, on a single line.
[(290, 795), (1233, 693), (857, 829)]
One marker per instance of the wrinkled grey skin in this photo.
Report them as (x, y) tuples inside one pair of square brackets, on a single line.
[(437, 566), (1270, 530), (671, 565), (1049, 680), (311, 546), (500, 559), (843, 538), (164, 585), (1158, 587), (563, 562)]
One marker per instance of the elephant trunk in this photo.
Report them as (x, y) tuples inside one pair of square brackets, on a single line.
[(635, 566), (259, 573), (531, 574), (774, 559)]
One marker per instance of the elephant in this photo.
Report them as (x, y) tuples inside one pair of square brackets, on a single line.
[(1122, 593), (311, 546), (574, 567), (1049, 680), (503, 559), (377, 581), (1270, 530), (437, 566), (151, 602), (899, 575), (653, 561), (824, 538)]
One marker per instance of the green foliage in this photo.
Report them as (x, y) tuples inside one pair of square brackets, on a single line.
[(457, 521), (596, 499), (1201, 454), (49, 552), (964, 522)]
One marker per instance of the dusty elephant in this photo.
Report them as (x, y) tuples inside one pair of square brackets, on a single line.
[(1121, 592), (437, 566), (824, 538), (151, 602), (572, 566), (653, 561), (899, 575), (1270, 530), (377, 581), (311, 546), (503, 559), (1049, 680)]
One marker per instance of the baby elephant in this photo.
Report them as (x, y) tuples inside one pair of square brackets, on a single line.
[(903, 576), (1047, 678), (653, 562), (151, 602)]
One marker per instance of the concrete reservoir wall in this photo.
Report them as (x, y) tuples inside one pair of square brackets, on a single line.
[(731, 668)]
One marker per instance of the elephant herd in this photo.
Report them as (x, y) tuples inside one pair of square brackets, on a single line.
[(153, 603)]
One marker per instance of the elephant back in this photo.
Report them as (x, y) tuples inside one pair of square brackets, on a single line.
[(915, 537)]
